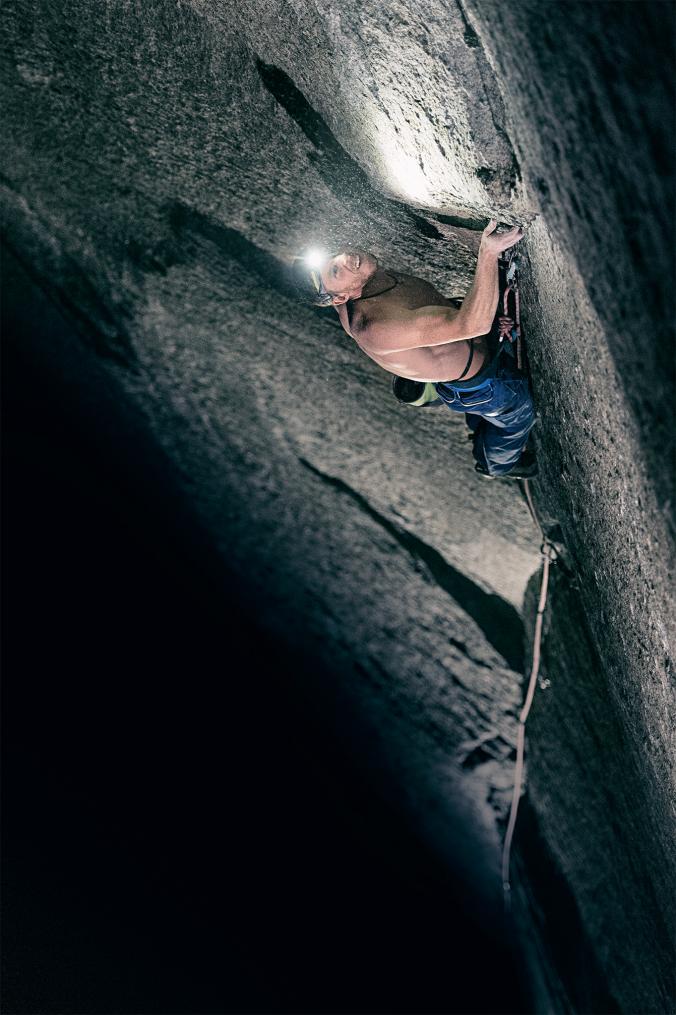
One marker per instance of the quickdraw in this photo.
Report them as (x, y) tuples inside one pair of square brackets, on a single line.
[(509, 262)]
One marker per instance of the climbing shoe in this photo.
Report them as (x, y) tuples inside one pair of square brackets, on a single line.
[(525, 468)]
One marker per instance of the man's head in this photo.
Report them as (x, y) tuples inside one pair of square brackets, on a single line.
[(336, 278)]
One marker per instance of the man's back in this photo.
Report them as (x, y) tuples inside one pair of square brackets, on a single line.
[(397, 295)]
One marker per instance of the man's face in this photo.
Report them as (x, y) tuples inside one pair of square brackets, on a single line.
[(345, 274)]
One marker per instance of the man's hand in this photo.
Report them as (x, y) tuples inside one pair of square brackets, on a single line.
[(494, 243), (397, 329)]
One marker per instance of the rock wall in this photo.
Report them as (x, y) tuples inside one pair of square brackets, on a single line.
[(590, 124), (163, 165)]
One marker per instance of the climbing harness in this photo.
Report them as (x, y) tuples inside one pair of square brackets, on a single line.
[(510, 265)]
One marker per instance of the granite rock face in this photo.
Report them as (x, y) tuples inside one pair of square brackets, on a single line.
[(163, 165)]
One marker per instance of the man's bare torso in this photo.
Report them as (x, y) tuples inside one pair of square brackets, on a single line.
[(432, 363)]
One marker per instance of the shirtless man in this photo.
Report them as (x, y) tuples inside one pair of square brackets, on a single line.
[(410, 329)]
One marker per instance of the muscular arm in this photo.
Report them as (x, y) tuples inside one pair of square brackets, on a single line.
[(440, 325)]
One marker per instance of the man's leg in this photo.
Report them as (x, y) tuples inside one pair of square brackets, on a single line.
[(508, 419), (500, 416)]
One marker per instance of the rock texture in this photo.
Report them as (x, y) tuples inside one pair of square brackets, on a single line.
[(163, 165), (610, 710)]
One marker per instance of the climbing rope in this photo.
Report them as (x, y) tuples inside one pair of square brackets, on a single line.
[(510, 264), (548, 557)]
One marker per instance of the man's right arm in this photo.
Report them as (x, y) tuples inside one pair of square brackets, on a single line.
[(441, 325)]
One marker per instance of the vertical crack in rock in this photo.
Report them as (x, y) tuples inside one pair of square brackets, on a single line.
[(493, 99), (339, 170), (191, 227), (67, 284), (499, 621), (572, 971), (584, 773)]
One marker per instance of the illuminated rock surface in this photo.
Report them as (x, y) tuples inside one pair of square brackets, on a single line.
[(161, 168)]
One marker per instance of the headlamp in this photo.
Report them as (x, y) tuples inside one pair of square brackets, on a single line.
[(308, 277), (315, 259), (319, 286)]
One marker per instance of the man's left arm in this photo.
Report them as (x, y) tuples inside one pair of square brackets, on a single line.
[(436, 325)]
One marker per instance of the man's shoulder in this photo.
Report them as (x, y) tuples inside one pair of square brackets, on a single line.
[(367, 314), (365, 322), (375, 328)]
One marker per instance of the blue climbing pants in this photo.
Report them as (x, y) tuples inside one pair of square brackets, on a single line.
[(499, 412)]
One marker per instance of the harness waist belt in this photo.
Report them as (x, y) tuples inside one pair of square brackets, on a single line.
[(487, 373), (468, 387), (480, 380)]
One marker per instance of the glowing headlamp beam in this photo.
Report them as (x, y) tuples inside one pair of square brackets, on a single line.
[(315, 258)]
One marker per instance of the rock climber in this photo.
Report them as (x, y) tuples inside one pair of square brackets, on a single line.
[(409, 328)]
